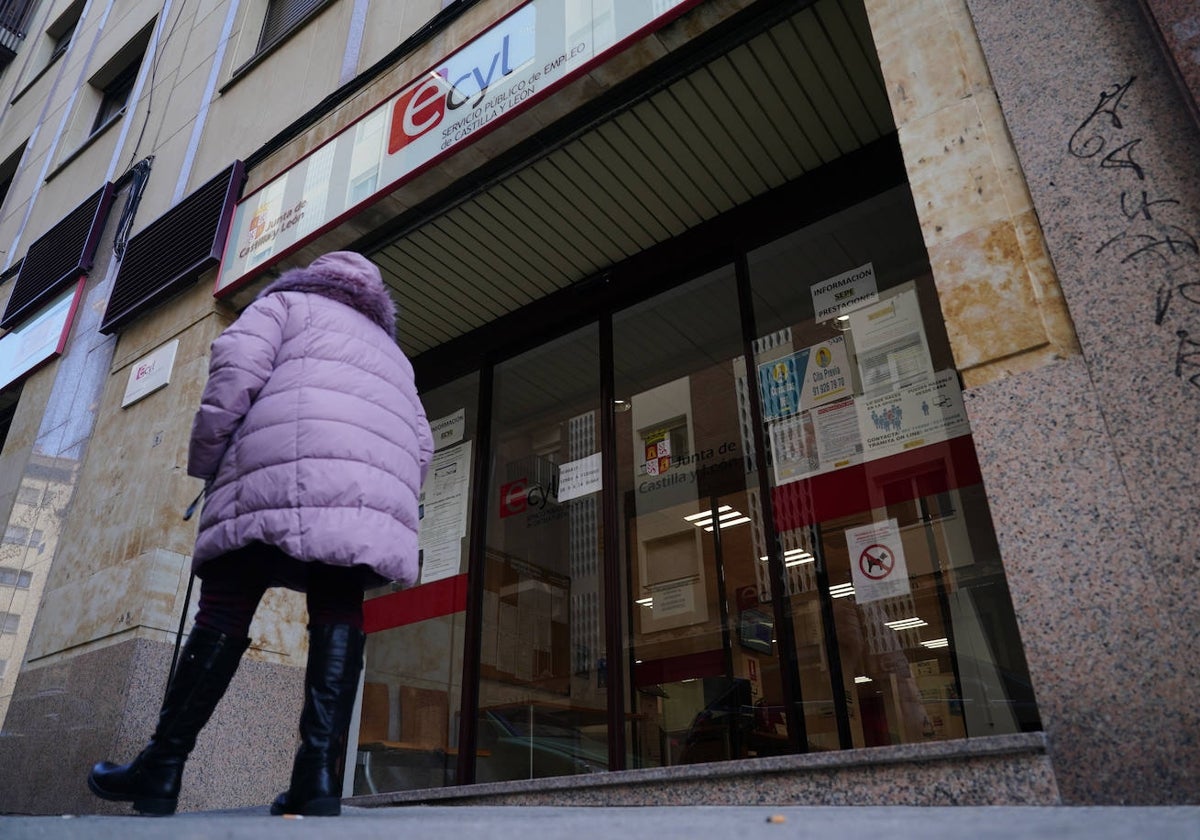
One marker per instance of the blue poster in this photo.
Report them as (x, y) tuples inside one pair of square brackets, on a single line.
[(779, 385)]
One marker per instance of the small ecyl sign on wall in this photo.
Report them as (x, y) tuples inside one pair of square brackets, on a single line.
[(150, 373)]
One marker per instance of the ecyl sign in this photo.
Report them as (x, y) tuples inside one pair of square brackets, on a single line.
[(520, 60), (150, 373), (458, 87)]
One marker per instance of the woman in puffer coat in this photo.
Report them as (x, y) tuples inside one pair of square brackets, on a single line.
[(314, 445)]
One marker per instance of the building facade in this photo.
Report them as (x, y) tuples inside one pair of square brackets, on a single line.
[(815, 387)]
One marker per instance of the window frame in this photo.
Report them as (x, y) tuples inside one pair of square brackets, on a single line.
[(120, 87)]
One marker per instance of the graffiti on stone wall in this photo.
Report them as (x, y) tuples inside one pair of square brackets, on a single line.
[(1152, 233)]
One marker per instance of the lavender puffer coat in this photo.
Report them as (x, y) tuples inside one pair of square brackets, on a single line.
[(310, 427)]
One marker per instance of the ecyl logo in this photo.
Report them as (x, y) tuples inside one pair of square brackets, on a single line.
[(465, 78), (519, 496)]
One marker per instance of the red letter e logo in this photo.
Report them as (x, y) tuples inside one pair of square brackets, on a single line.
[(417, 111)]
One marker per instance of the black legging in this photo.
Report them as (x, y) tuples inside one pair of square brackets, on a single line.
[(232, 585)]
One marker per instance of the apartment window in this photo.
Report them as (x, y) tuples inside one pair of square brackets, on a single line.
[(116, 95), (9, 622), (61, 43), (285, 15), (8, 410), (8, 170), (62, 30), (15, 577)]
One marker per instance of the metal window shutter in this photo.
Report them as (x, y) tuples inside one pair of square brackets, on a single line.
[(283, 16), (59, 257), (174, 249)]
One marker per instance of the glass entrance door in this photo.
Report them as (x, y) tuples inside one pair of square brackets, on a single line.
[(542, 688), (703, 670)]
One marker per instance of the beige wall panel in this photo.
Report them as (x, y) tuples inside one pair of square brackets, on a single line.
[(171, 319), (141, 452), (390, 24), (16, 203), (959, 182), (33, 57), (299, 73), (68, 187), (21, 116), (141, 594), (35, 393), (124, 22), (203, 27), (160, 188)]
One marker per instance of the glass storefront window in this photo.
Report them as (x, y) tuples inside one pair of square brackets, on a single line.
[(903, 624), (542, 689), (702, 659), (850, 596), (412, 683)]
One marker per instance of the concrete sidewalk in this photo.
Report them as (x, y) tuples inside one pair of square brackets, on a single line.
[(422, 822)]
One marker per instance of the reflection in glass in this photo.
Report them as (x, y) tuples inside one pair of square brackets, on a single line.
[(904, 627), (408, 722), (702, 656), (543, 688)]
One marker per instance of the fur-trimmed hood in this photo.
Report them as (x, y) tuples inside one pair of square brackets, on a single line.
[(346, 277)]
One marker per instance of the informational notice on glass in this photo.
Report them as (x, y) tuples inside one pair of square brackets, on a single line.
[(804, 379), (889, 341), (877, 565), (578, 478), (839, 443), (440, 560), (794, 448), (449, 429), (817, 441), (444, 512), (845, 292), (916, 415), (674, 599)]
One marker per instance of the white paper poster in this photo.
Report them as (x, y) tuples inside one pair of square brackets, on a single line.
[(916, 415), (818, 441), (674, 599), (839, 441), (449, 429), (845, 292), (444, 497), (441, 560), (794, 448), (578, 478), (889, 341), (877, 564)]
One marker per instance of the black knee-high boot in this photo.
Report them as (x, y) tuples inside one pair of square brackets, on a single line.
[(151, 781), (335, 658)]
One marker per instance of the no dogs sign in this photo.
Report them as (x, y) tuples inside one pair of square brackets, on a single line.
[(877, 564)]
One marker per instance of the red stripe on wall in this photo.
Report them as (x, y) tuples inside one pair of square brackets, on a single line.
[(931, 469), (410, 606)]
